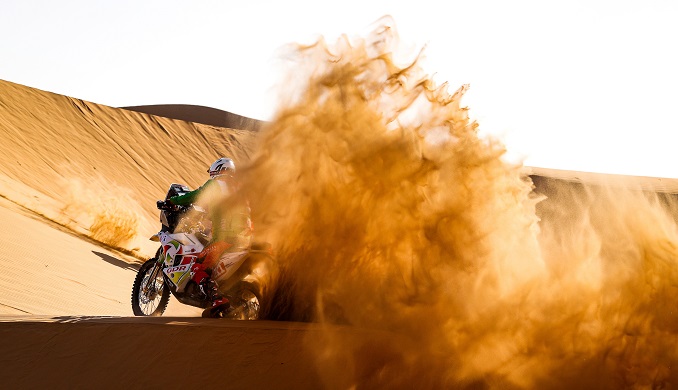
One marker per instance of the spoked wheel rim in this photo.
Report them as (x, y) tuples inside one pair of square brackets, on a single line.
[(150, 293)]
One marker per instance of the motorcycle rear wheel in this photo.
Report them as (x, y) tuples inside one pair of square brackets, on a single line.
[(149, 297), (245, 303)]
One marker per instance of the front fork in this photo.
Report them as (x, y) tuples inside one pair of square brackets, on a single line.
[(157, 267)]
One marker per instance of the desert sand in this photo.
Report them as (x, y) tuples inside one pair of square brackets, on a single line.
[(124, 352), (413, 256)]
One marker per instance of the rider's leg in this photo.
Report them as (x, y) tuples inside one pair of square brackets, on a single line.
[(206, 259), (200, 273), (213, 252), (202, 270), (202, 279)]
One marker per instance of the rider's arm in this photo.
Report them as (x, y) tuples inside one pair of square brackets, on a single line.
[(189, 197), (233, 226)]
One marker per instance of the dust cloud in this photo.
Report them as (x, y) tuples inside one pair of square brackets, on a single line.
[(107, 214), (389, 212)]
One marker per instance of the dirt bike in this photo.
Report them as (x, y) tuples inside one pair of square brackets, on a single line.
[(243, 277)]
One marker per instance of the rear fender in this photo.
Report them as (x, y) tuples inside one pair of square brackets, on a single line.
[(228, 264)]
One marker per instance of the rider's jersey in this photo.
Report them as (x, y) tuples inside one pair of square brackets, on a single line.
[(230, 216)]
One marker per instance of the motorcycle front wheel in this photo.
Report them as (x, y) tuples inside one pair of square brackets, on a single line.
[(149, 293)]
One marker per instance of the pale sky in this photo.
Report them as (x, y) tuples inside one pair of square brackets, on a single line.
[(585, 85)]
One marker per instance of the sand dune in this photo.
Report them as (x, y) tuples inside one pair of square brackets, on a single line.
[(44, 270), (80, 163)]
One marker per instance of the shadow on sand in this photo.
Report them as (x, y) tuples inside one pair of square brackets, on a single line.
[(117, 262)]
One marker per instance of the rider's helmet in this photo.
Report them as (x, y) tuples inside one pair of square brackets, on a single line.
[(223, 166)]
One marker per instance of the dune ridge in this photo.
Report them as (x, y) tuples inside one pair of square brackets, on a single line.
[(200, 114)]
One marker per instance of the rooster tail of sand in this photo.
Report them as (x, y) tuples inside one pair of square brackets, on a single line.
[(389, 212)]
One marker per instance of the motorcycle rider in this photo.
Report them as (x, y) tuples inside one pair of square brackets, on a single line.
[(231, 226)]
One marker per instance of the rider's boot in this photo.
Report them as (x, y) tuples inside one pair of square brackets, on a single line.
[(209, 289), (219, 304)]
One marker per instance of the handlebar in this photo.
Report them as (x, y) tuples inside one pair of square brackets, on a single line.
[(166, 205)]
